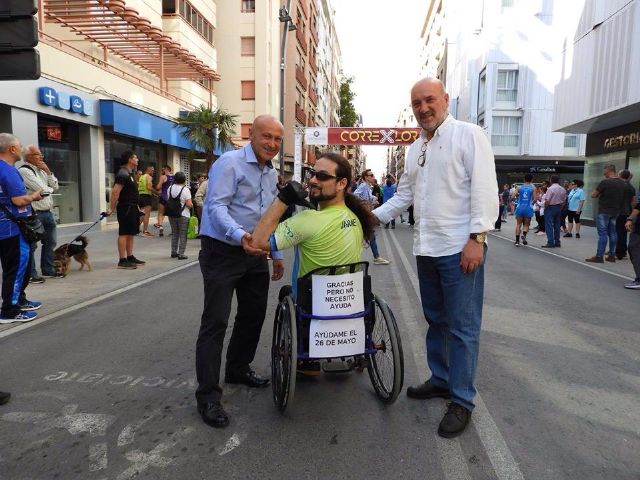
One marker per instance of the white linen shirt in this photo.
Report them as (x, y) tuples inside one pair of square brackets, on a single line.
[(454, 193)]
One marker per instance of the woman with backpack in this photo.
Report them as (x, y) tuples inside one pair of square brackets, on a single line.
[(177, 208)]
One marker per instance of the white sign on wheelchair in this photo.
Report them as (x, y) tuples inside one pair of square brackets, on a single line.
[(335, 295)]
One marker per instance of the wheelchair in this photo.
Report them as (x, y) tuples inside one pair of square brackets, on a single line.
[(378, 347)]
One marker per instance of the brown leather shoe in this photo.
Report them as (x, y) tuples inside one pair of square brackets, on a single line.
[(427, 390), (455, 421), (594, 259), (610, 258)]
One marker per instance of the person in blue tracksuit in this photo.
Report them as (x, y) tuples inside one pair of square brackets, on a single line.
[(524, 211), (14, 249)]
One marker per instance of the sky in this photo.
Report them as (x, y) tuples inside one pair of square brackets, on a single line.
[(380, 44)]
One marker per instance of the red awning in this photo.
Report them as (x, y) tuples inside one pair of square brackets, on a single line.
[(124, 32)]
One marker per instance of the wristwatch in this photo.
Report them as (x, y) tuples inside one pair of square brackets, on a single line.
[(478, 237)]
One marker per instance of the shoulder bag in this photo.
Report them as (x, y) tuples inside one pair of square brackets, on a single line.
[(31, 227)]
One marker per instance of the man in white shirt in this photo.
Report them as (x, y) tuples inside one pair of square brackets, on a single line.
[(450, 179)]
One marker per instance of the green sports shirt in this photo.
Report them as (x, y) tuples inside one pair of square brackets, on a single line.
[(331, 236)]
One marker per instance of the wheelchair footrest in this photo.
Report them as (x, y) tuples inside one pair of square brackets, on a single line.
[(338, 365)]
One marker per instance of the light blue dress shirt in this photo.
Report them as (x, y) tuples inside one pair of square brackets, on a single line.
[(239, 193)]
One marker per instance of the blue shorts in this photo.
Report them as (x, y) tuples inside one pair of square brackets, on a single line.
[(525, 211)]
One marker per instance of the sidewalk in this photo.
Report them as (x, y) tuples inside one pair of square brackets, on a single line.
[(79, 286), (577, 249)]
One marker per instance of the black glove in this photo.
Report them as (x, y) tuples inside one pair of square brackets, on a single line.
[(294, 194)]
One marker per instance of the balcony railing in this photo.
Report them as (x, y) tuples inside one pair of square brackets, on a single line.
[(313, 64), (300, 77), (305, 7), (301, 40), (300, 115), (312, 96), (314, 34)]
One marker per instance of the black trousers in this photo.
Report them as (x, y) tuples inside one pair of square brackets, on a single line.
[(226, 269), (411, 219), (621, 246), (15, 254)]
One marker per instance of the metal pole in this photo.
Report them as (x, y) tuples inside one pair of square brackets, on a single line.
[(283, 48)]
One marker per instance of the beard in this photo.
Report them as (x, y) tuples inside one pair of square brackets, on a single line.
[(320, 196)]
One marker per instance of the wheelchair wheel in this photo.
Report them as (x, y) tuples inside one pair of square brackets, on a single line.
[(386, 365), (284, 354)]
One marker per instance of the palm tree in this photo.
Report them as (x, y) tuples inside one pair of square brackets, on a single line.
[(199, 127)]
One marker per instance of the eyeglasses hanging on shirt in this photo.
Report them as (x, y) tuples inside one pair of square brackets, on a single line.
[(423, 155)]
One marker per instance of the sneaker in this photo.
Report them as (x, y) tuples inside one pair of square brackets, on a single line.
[(20, 317), (156, 225), (454, 421), (540, 233), (53, 275), (148, 234), (126, 264), (174, 255), (577, 235), (381, 261), (524, 240), (30, 305), (610, 258), (309, 368), (4, 397), (136, 261), (567, 235), (161, 232), (635, 285), (594, 259), (516, 244), (182, 257), (548, 245), (36, 280)]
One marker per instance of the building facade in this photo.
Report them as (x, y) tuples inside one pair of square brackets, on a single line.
[(114, 78), (249, 61), (500, 61), (599, 94)]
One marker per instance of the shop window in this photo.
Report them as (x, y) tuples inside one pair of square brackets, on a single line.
[(248, 46), (248, 6), (244, 130), (507, 89), (505, 132), (248, 90)]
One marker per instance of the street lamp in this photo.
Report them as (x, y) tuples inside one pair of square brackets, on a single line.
[(289, 26)]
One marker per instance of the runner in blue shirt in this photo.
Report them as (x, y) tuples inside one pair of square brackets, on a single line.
[(525, 194)]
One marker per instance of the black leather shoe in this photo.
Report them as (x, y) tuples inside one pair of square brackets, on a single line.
[(426, 390), (548, 245), (454, 421), (248, 378), (213, 414)]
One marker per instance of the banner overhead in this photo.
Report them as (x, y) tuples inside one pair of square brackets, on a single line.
[(360, 136)]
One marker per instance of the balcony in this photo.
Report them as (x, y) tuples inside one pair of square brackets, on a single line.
[(312, 96), (314, 35), (300, 77), (300, 115), (301, 40), (313, 64), (304, 4), (310, 122)]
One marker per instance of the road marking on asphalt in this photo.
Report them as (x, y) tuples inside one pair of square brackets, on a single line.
[(568, 259), (87, 303), (128, 433), (98, 457), (450, 453), (142, 461), (499, 454), (125, 380), (233, 443)]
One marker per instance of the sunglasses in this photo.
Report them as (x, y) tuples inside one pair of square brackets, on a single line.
[(423, 155), (322, 176)]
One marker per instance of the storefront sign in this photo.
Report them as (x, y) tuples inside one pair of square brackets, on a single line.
[(54, 133), (63, 101), (542, 169), (360, 136), (626, 137), (335, 295)]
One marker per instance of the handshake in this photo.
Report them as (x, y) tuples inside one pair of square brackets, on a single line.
[(294, 194)]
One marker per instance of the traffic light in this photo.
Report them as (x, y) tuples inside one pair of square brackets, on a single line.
[(19, 60)]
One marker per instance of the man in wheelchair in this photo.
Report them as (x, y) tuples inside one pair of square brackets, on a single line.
[(331, 235)]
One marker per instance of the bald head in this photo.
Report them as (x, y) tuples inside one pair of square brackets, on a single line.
[(430, 104), (266, 134)]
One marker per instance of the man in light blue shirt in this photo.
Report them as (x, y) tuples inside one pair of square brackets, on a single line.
[(242, 186), (363, 192)]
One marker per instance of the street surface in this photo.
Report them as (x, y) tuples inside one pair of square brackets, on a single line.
[(106, 392)]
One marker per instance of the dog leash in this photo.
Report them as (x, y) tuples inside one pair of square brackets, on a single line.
[(77, 239)]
